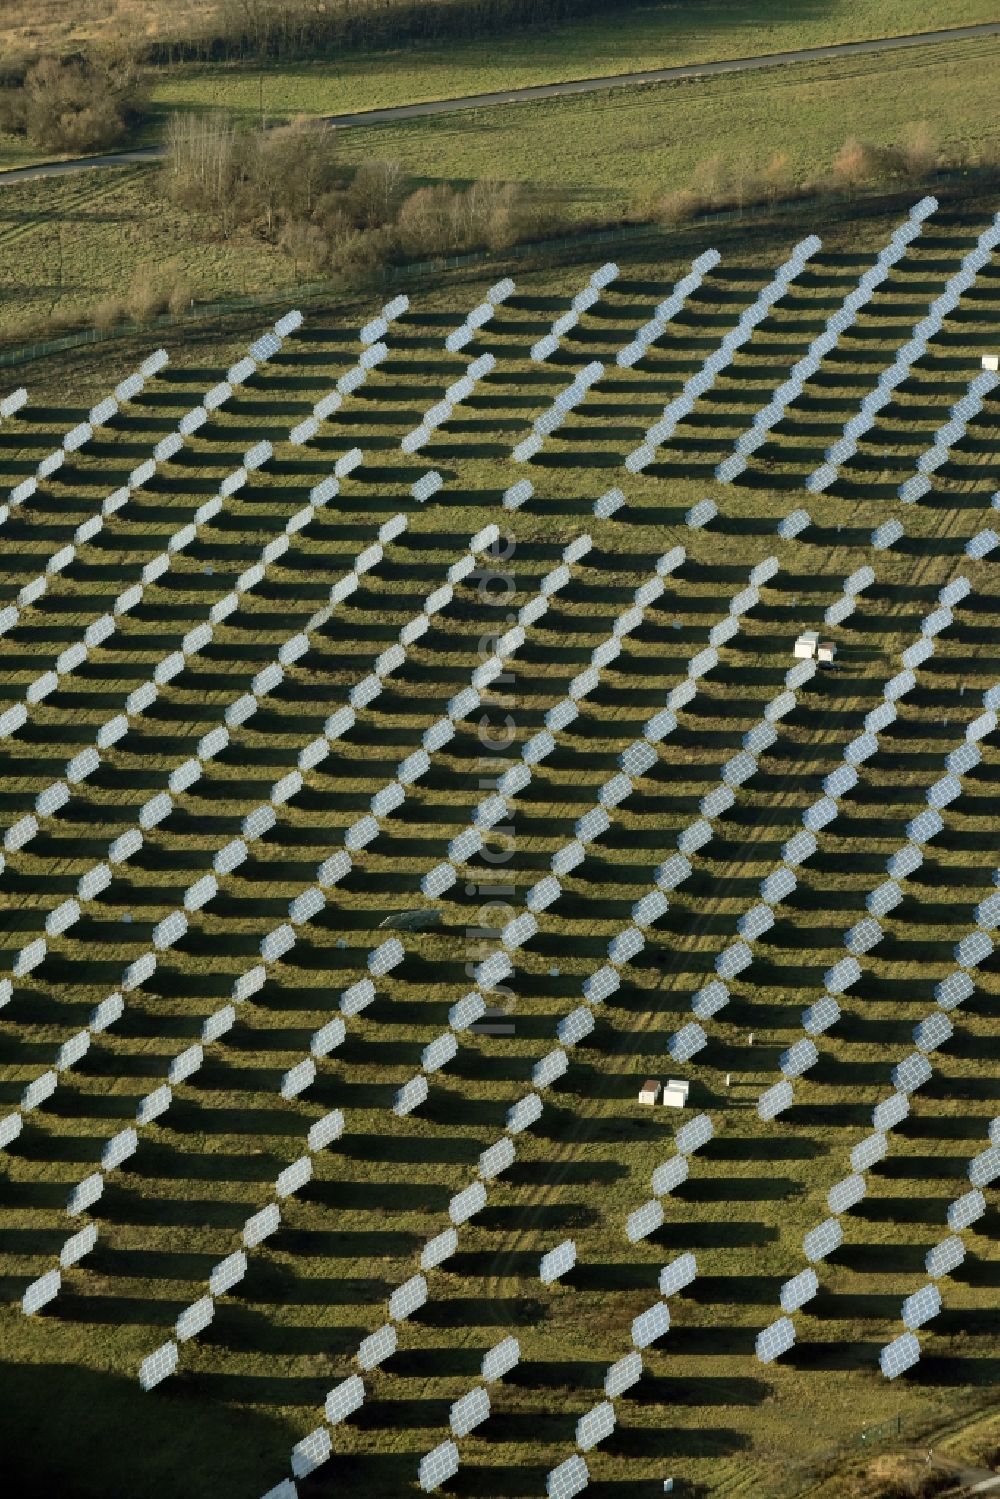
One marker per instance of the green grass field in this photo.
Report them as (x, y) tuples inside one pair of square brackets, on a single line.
[(657, 35), (601, 154), (653, 36), (595, 157), (706, 1410)]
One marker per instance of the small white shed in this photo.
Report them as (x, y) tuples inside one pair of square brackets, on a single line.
[(650, 1091), (805, 646), (991, 362), (675, 1094), (825, 652)]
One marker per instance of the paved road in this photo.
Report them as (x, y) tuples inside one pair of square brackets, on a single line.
[(545, 91)]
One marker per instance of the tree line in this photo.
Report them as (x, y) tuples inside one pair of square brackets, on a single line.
[(286, 187), (717, 183)]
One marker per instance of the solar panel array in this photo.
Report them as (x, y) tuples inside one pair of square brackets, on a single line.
[(303, 915)]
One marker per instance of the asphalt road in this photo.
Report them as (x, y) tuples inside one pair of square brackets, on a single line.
[(544, 91)]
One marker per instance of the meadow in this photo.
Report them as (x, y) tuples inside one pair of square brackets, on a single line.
[(666, 34), (255, 1381), (64, 245)]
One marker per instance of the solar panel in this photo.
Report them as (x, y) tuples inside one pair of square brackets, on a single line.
[(797, 1291), (775, 1100), (985, 1167), (153, 1105), (260, 1226), (626, 946), (693, 1135), (846, 1194), (899, 1355), (467, 1203), (595, 1425), (822, 1240), (40, 1292), (870, 1151), (775, 1340), (924, 827), (344, 1399), (689, 1040), (78, 1245), (185, 1064), (557, 1262), (194, 1319), (973, 949), (158, 1366), (437, 1466), (651, 1324), (891, 1111), (711, 998), (987, 913), (439, 1053), (410, 1096), (671, 1174), (377, 1347), (933, 1031), (621, 1376), (798, 1058), (733, 959), (639, 758), (778, 886), (701, 514), (944, 1257), (575, 1026), (469, 1412), (755, 922), (644, 1221), (952, 990), (227, 1273), (739, 768), (571, 1477), (693, 837), (438, 1249), (107, 1012)]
